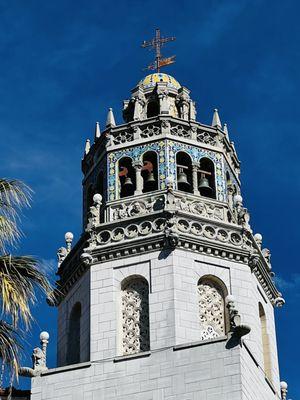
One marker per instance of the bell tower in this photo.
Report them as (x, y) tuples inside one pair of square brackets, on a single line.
[(168, 294)]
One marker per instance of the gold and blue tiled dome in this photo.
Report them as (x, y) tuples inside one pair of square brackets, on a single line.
[(152, 79)]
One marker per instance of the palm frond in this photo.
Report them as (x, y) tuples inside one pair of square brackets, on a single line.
[(14, 194), (9, 345), (20, 277), (9, 232)]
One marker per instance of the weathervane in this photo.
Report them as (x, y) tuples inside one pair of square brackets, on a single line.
[(156, 44)]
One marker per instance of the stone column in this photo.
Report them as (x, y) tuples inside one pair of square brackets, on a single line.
[(138, 177), (185, 110), (136, 112), (195, 167)]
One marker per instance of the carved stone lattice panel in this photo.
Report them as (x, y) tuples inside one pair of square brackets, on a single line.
[(211, 311), (150, 131), (123, 137), (179, 130), (135, 317), (206, 137)]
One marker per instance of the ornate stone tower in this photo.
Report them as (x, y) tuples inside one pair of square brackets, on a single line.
[(167, 294)]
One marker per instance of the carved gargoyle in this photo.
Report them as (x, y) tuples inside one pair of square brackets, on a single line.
[(171, 235), (236, 327)]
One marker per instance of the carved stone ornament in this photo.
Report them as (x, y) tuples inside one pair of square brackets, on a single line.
[(123, 136), (211, 311), (254, 260), (61, 254), (206, 137), (86, 258), (172, 227), (206, 210), (135, 317), (150, 131), (171, 234), (279, 301), (236, 327), (38, 359), (137, 208)]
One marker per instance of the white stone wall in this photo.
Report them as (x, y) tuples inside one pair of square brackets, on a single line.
[(79, 293), (209, 371)]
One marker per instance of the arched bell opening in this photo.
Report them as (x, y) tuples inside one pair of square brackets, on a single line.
[(152, 109), (100, 184), (206, 179), (150, 172), (127, 177), (228, 180), (89, 196), (184, 172)]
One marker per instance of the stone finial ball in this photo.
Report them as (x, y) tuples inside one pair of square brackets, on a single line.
[(44, 335), (283, 385), (97, 198), (230, 298), (169, 180), (238, 198), (258, 237), (69, 237)]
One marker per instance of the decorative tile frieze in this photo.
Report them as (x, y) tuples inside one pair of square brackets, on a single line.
[(166, 150)]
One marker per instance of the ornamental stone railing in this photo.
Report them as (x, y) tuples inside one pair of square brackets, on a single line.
[(152, 203), (157, 225)]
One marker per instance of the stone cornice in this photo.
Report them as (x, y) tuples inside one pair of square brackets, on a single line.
[(165, 230)]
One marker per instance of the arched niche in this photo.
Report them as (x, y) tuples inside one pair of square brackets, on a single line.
[(135, 315), (206, 178), (265, 341), (150, 171), (184, 172), (152, 108), (128, 112), (73, 347), (127, 177), (212, 311)]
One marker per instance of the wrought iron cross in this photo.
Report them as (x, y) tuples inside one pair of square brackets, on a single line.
[(156, 44)]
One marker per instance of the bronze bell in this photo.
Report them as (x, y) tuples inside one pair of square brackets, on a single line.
[(182, 178), (150, 177), (128, 181), (204, 187)]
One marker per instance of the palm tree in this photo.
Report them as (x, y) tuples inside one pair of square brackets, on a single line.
[(20, 276)]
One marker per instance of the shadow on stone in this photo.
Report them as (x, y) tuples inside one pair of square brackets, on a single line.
[(233, 341)]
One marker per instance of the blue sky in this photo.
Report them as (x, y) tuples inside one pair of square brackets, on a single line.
[(63, 63)]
